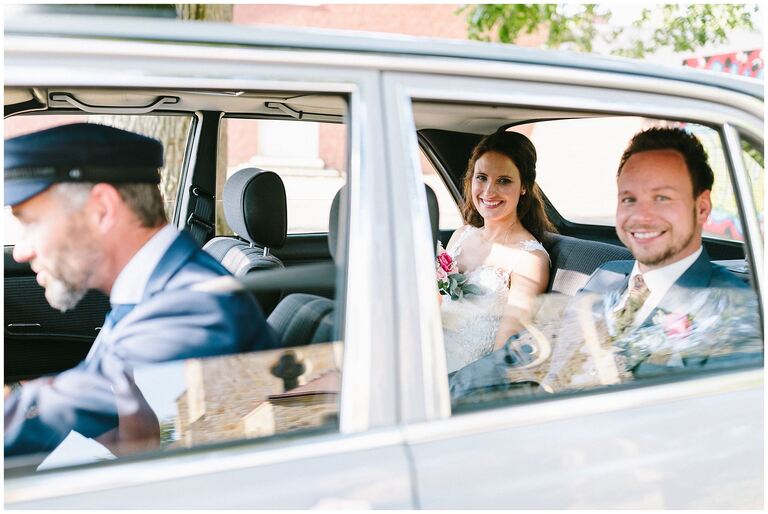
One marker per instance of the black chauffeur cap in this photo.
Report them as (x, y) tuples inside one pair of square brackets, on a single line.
[(80, 152)]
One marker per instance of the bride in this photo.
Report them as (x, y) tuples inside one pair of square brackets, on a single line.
[(498, 249)]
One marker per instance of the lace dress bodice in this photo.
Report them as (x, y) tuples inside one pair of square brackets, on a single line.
[(470, 323)]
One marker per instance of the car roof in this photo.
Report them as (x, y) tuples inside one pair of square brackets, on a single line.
[(176, 31)]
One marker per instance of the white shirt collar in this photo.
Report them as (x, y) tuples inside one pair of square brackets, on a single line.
[(659, 281), (132, 280)]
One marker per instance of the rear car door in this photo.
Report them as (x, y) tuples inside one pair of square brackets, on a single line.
[(687, 441)]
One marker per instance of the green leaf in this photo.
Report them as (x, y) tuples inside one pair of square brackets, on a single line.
[(472, 289)]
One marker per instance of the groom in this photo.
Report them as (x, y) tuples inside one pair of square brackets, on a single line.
[(664, 185)]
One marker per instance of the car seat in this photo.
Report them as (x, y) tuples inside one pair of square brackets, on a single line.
[(301, 318), (255, 208)]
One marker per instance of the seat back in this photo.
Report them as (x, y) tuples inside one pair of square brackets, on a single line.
[(301, 318), (574, 260), (255, 208)]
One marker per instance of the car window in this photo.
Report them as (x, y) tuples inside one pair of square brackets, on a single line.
[(309, 156), (172, 131), (271, 393), (571, 340)]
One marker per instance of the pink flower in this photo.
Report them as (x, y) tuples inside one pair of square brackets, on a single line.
[(441, 273), (676, 325), (446, 262)]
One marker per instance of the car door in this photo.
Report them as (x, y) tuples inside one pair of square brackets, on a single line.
[(688, 441), (357, 458), (39, 339)]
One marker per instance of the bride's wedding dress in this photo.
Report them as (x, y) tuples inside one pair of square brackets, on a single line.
[(470, 323)]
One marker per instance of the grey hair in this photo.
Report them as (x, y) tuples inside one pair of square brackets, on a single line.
[(73, 195), (144, 200)]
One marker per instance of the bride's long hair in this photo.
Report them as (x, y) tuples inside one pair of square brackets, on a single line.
[(530, 206)]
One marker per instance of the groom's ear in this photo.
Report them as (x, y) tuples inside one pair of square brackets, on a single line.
[(703, 207)]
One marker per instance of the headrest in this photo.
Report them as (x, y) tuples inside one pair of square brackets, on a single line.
[(79, 152), (255, 207), (333, 220)]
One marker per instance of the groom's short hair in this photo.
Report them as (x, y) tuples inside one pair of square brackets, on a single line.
[(676, 139)]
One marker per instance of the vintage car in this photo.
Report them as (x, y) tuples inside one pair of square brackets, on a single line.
[(355, 411)]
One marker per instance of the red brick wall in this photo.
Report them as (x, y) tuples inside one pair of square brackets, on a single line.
[(419, 20)]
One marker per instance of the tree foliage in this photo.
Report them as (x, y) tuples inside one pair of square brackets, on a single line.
[(578, 27)]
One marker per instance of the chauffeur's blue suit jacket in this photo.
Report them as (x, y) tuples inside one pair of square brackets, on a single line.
[(173, 321), (614, 276)]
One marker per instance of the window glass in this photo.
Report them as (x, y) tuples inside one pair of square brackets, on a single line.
[(450, 215), (172, 131), (219, 399), (262, 394), (754, 162), (246, 396), (568, 341), (310, 157)]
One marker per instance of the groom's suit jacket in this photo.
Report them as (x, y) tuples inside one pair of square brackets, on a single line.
[(173, 321), (614, 276)]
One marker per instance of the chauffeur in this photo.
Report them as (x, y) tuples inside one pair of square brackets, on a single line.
[(92, 216)]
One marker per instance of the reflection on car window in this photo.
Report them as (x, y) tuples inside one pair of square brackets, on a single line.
[(218, 399), (574, 344), (255, 395)]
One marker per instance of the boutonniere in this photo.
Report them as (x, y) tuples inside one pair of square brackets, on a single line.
[(449, 281), (674, 324)]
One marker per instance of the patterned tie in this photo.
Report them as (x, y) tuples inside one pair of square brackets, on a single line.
[(638, 293)]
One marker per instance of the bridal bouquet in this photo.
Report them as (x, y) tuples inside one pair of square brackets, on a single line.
[(449, 281)]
